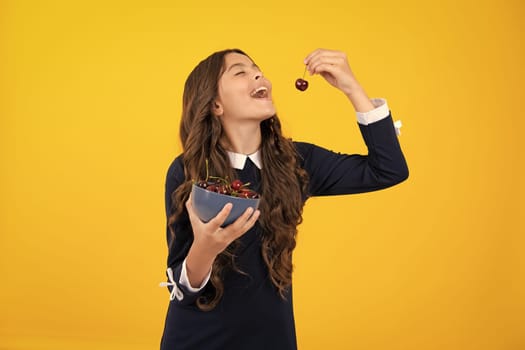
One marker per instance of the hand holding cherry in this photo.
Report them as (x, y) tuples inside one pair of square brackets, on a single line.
[(333, 66), (301, 84)]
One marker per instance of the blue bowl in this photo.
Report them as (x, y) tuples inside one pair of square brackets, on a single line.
[(208, 204)]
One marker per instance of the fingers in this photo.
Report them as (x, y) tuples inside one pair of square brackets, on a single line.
[(194, 219), (252, 220), (323, 52), (219, 219), (189, 207), (325, 64), (216, 222), (333, 66), (242, 224), (322, 60)]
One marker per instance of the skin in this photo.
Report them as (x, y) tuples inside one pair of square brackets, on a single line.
[(241, 115)]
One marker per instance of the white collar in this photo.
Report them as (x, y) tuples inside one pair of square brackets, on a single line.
[(238, 160)]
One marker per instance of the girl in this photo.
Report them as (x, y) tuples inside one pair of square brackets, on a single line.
[(231, 287)]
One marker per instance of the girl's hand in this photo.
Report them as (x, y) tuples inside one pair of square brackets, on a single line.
[(333, 66), (210, 238)]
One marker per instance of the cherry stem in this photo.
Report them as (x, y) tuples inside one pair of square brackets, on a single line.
[(304, 72), (207, 170)]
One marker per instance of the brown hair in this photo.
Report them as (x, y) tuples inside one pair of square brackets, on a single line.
[(201, 134)]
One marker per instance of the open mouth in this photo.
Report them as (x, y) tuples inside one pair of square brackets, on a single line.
[(260, 92)]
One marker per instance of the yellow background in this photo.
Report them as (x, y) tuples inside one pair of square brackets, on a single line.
[(90, 103)]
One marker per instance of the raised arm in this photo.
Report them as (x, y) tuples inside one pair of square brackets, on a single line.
[(338, 173)]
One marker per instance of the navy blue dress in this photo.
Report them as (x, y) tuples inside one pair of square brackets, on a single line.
[(251, 314)]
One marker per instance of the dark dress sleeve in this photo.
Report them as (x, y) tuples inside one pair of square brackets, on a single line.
[(334, 173), (178, 246)]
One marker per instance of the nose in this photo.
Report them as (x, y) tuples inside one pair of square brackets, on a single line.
[(258, 75)]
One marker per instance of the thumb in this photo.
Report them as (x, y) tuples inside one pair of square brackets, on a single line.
[(191, 213)]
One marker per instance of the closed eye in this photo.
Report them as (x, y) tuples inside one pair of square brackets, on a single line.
[(239, 73)]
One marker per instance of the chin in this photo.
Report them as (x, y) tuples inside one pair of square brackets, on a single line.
[(268, 116), (269, 113), (265, 117)]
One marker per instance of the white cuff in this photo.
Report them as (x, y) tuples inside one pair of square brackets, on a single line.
[(175, 292), (397, 126), (380, 112), (183, 280)]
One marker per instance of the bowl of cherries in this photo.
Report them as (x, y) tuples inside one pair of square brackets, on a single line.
[(209, 196)]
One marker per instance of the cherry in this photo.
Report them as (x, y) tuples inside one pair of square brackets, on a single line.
[(301, 84), (202, 184), (222, 189), (235, 188), (253, 195), (236, 184)]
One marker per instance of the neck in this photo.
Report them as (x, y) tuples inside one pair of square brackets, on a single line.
[(243, 138)]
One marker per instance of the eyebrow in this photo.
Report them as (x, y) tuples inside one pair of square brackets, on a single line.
[(241, 65)]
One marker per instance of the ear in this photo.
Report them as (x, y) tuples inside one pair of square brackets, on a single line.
[(217, 108)]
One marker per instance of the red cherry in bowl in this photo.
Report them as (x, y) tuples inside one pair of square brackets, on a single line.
[(301, 84)]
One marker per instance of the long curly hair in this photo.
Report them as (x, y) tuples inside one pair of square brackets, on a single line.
[(201, 133)]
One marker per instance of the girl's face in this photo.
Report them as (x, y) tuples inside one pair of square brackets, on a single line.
[(244, 93)]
